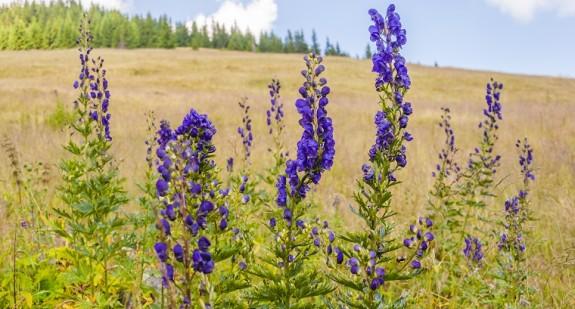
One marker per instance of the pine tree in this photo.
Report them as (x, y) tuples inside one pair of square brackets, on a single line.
[(329, 49), (300, 45), (314, 43), (181, 35), (164, 36), (289, 46), (53, 25), (236, 41), (195, 37), (368, 53)]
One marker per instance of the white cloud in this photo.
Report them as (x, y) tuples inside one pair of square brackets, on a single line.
[(257, 16), (121, 5), (525, 10)]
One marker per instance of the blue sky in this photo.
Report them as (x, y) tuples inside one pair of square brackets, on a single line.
[(519, 36), (507, 35)]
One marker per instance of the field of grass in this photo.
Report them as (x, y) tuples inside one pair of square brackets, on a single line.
[(170, 82)]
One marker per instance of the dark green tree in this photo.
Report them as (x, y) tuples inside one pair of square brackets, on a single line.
[(314, 43), (368, 53), (182, 35)]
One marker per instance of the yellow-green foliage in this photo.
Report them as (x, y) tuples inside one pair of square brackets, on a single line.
[(60, 117)]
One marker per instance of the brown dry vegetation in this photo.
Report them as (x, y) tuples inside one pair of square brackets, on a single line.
[(170, 82)]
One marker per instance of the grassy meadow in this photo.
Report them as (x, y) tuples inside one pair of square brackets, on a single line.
[(170, 82)]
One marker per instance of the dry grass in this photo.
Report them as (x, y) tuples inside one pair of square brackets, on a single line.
[(170, 82)]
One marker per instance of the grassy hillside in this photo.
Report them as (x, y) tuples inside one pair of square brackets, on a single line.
[(170, 82)]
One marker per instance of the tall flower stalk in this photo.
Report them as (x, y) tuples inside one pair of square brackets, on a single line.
[(92, 191), (275, 121), (276, 127), (245, 131), (478, 179), (442, 204), (289, 279), (367, 259), (512, 246)]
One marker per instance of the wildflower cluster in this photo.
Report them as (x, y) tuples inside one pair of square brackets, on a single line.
[(512, 241), (483, 162), (295, 239), (92, 191), (204, 235), (477, 180), (194, 209), (369, 261), (443, 195)]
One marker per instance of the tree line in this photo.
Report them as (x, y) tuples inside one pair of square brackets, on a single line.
[(32, 25)]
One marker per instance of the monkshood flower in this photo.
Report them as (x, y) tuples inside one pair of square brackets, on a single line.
[(296, 237), (525, 161), (478, 179), (276, 126), (368, 268), (447, 166), (473, 251), (245, 131), (316, 148), (90, 178), (442, 204), (365, 262), (389, 37), (93, 85), (275, 114), (419, 242), (393, 81), (483, 156), (194, 206), (516, 208), (512, 247)]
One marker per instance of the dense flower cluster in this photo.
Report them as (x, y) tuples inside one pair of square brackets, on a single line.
[(275, 114), (245, 131), (389, 37), (94, 85), (393, 79), (190, 196), (316, 148), (492, 98), (473, 251)]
